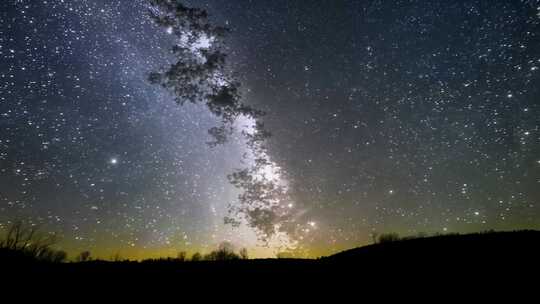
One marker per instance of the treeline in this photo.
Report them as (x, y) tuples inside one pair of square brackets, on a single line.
[(395, 237), (24, 241), (224, 252)]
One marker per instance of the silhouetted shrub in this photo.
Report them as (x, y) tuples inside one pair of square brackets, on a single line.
[(59, 256), (244, 254), (196, 257), (83, 256), (117, 258), (283, 255), (388, 238), (181, 257), (225, 252)]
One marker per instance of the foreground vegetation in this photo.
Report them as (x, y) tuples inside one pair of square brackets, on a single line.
[(24, 252), (27, 245)]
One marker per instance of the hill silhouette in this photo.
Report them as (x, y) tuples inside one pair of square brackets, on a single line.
[(471, 256), (458, 246), (452, 251)]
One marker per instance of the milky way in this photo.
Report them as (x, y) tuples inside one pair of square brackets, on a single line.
[(387, 116)]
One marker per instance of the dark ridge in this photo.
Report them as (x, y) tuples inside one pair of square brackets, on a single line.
[(472, 257), (465, 247)]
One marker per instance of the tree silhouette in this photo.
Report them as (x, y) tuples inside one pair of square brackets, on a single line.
[(388, 238), (30, 242), (59, 256), (83, 256), (260, 201), (117, 257), (199, 73), (181, 256), (196, 257), (18, 236), (243, 254), (374, 236), (224, 252)]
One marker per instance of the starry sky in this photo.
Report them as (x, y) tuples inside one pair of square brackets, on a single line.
[(399, 116)]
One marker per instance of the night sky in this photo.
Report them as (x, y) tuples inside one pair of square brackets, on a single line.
[(386, 116)]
